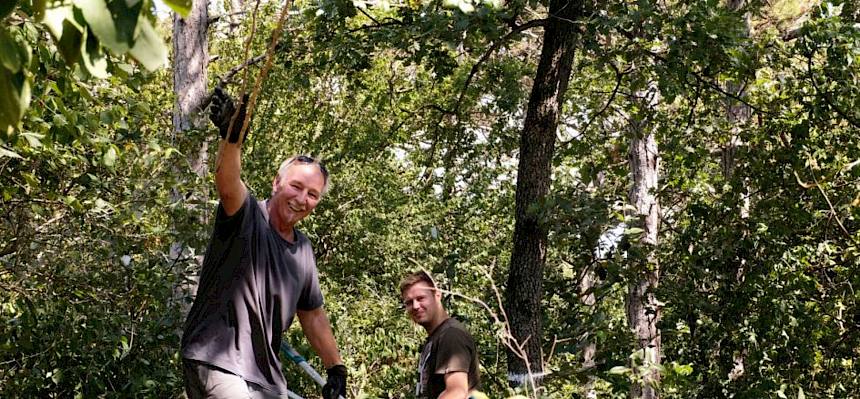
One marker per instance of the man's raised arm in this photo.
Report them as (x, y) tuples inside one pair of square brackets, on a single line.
[(228, 165)]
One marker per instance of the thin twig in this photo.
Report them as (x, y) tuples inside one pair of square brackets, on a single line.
[(618, 76), (832, 209), (714, 86), (508, 339)]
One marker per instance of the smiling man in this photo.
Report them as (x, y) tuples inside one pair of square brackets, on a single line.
[(259, 272), (448, 366)]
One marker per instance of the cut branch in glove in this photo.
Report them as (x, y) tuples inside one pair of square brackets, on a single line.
[(335, 386), (222, 110)]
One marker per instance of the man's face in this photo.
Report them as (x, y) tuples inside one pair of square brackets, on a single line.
[(296, 193), (422, 302)]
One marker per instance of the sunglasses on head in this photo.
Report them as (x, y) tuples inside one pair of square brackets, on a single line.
[(304, 159)]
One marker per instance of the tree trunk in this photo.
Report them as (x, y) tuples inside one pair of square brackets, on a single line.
[(738, 115), (737, 112), (191, 58), (235, 20), (643, 309), (589, 351), (537, 144)]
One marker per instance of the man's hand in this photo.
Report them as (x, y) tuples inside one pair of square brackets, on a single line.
[(221, 111), (335, 386)]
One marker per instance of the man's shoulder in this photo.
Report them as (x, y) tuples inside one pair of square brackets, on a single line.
[(454, 329), (301, 237)]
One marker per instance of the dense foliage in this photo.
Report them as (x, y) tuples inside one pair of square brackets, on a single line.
[(417, 108)]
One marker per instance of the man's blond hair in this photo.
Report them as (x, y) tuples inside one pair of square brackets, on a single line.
[(413, 278)]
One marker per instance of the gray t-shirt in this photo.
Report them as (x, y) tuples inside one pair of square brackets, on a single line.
[(251, 285)]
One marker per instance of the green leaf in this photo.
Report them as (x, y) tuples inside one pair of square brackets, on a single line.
[(781, 391), (94, 61), (34, 139), (633, 231), (4, 152), (466, 7), (682, 369), (109, 157), (182, 7), (6, 7), (57, 376), (148, 48), (114, 22), (32, 181), (14, 98), (67, 32), (834, 10), (38, 9), (13, 56), (619, 370), (54, 18)]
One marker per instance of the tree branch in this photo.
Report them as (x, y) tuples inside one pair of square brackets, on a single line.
[(361, 10), (227, 78), (215, 18), (388, 22), (714, 86), (495, 46), (832, 209)]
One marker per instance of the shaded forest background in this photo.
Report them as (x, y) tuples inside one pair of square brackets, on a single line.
[(622, 198)]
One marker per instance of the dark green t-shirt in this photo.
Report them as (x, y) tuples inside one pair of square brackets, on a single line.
[(449, 349), (251, 285)]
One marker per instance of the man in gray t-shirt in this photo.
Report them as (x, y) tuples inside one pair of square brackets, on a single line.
[(258, 273)]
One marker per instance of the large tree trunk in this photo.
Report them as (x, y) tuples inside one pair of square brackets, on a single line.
[(190, 60), (537, 144), (643, 309)]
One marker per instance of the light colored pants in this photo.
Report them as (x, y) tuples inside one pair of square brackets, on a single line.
[(206, 382)]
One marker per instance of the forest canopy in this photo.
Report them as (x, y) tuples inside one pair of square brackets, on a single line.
[(619, 199)]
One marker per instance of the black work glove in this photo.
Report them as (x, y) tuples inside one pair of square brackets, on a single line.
[(336, 384), (221, 110)]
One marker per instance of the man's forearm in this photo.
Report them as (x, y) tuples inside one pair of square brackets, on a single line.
[(228, 180), (317, 329), (228, 164)]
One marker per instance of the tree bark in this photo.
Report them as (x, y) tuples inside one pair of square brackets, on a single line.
[(589, 351), (737, 112), (191, 58), (537, 144), (738, 115), (643, 309)]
